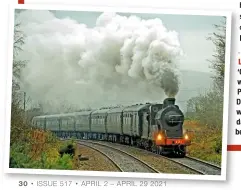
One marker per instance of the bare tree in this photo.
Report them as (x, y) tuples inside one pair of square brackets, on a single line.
[(17, 47), (218, 62), (17, 113)]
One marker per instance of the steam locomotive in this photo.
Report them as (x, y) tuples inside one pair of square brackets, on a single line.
[(154, 127)]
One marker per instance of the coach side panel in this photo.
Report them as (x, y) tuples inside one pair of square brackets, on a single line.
[(113, 124), (83, 123), (67, 124), (128, 124), (40, 123), (52, 124), (98, 123)]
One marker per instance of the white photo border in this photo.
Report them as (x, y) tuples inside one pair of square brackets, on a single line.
[(227, 14)]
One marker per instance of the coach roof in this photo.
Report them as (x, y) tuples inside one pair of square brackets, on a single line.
[(116, 110), (136, 108)]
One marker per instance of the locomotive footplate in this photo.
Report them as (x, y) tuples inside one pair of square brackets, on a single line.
[(175, 142)]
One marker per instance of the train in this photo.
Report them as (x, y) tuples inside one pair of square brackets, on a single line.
[(152, 126)]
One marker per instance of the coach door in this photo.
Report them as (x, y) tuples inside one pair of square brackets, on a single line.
[(132, 124), (145, 126)]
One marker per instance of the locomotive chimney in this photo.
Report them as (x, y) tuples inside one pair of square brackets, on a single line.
[(168, 101)]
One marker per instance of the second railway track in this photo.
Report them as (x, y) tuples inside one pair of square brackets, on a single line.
[(203, 167), (194, 164), (123, 160)]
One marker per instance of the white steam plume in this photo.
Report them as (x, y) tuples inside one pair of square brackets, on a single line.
[(119, 61)]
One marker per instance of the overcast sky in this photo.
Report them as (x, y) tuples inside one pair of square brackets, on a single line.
[(193, 31)]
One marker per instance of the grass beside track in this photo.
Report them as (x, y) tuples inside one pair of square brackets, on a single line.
[(206, 142)]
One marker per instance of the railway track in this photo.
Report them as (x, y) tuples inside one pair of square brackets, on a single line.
[(203, 167), (104, 154), (194, 164), (124, 161)]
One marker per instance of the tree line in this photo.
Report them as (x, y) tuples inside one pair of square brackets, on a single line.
[(207, 108)]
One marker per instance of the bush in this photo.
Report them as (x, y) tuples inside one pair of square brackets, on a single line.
[(206, 142), (68, 147), (19, 157), (218, 145), (64, 162), (206, 109), (40, 150)]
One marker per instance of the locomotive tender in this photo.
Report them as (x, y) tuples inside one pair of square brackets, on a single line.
[(155, 127)]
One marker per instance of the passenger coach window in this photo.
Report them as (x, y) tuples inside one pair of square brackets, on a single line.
[(64, 122)]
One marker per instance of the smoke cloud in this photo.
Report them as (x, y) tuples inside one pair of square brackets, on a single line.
[(121, 60)]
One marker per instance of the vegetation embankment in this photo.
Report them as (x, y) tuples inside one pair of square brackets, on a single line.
[(41, 150), (206, 142)]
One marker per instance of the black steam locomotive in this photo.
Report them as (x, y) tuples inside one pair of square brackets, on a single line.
[(155, 127)]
